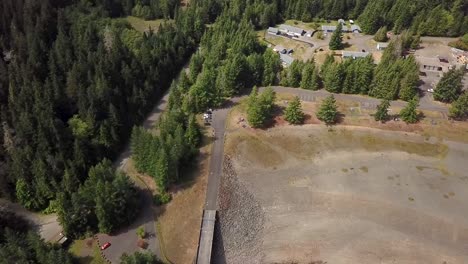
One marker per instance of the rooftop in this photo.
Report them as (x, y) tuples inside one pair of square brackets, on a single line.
[(355, 54), (355, 28), (273, 30), (326, 28), (286, 59), (430, 61), (382, 44), (291, 29)]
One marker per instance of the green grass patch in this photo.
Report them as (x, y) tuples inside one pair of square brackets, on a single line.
[(142, 25), (76, 247), (97, 258)]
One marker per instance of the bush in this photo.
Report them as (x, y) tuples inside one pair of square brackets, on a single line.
[(162, 198), (141, 233)]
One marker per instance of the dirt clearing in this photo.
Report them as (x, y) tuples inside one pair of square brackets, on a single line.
[(353, 195)]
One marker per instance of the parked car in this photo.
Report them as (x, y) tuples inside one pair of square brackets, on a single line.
[(106, 245), (430, 90)]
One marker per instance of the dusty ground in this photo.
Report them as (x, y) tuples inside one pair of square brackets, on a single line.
[(354, 195), (179, 221), (434, 123), (351, 195)]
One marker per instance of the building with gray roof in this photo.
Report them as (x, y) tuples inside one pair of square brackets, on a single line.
[(286, 59), (354, 54), (291, 31)]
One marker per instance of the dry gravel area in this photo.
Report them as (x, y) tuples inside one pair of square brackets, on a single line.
[(353, 195)]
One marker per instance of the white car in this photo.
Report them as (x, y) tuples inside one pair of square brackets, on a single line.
[(430, 90)]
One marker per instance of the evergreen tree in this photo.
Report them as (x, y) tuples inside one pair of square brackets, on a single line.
[(334, 78), (293, 113), (336, 40), (193, 134), (382, 111), (260, 107), (140, 258), (381, 35), (450, 86), (272, 66), (409, 114), (162, 168), (409, 87), (294, 73), (459, 108), (328, 111), (310, 78)]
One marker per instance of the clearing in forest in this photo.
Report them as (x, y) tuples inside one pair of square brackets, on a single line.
[(350, 195)]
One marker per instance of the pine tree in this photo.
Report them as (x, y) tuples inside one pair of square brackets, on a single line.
[(293, 113), (328, 111), (310, 78), (193, 134), (260, 107), (294, 75), (382, 111), (409, 86), (334, 78), (381, 35), (409, 114), (459, 108), (336, 40), (450, 86), (162, 165), (254, 111)]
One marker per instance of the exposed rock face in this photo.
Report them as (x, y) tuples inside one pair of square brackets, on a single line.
[(240, 221)]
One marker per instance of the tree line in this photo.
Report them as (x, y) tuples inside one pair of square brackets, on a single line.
[(395, 77), (422, 17)]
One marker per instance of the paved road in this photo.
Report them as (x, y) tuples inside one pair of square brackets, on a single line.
[(365, 101)]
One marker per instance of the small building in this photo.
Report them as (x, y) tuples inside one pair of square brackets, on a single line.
[(273, 31), (354, 54), (382, 45), (328, 28), (333, 29), (434, 64), (291, 31), (355, 29), (341, 21), (286, 59), (351, 21), (280, 49)]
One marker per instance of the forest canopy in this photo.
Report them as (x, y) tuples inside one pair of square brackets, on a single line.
[(74, 81)]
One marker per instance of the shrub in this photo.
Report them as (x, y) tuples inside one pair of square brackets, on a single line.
[(162, 198)]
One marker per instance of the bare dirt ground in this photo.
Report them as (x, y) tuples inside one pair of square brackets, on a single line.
[(351, 195)]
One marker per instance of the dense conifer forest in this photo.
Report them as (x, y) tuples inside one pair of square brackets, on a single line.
[(75, 79)]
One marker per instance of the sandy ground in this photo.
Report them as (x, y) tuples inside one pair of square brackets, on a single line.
[(353, 195)]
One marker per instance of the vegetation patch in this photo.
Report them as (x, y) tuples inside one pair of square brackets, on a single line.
[(142, 25)]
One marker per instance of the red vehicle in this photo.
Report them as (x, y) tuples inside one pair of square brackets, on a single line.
[(106, 245)]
